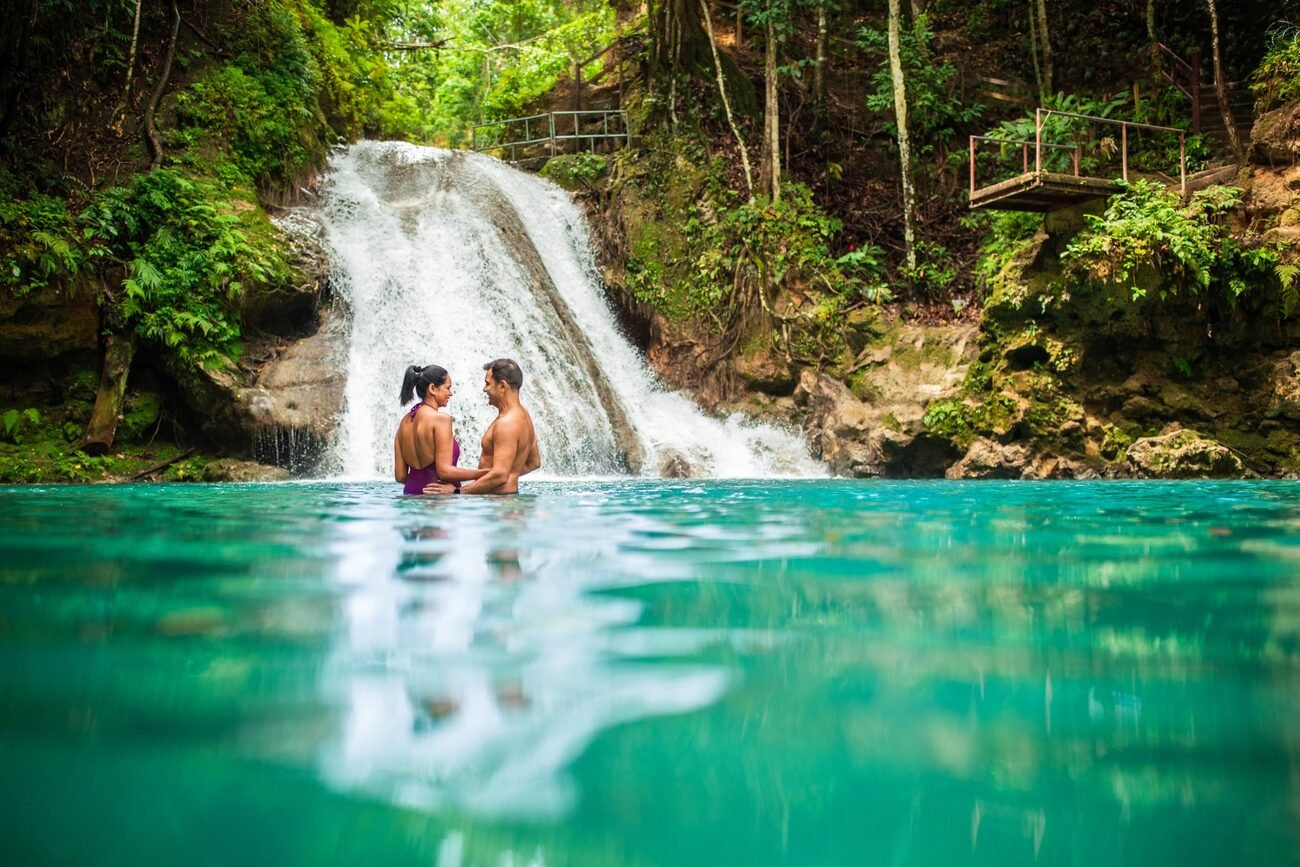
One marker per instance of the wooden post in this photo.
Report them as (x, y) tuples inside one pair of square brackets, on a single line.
[(1182, 161), (1075, 158), (972, 167), (1024, 158), (1038, 141), (1123, 149), (577, 91)]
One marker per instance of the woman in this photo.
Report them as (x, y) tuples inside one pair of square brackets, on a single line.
[(424, 451)]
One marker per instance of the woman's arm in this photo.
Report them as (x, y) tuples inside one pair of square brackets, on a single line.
[(442, 449), (399, 463)]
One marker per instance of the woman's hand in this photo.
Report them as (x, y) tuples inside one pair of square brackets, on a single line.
[(439, 488)]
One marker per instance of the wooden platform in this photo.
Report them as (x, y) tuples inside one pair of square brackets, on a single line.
[(1041, 191)]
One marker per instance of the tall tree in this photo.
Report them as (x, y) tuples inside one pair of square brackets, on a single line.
[(771, 110), (1221, 88), (819, 69), (904, 148), (1034, 52), (1045, 35), (726, 103)]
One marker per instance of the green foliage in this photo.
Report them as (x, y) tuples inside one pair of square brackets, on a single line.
[(574, 171), (19, 422), (936, 109), (502, 57), (963, 421), (935, 268), (1008, 235), (187, 257), (1276, 80), (39, 239), (1187, 247)]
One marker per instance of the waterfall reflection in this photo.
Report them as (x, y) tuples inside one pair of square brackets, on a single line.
[(477, 665)]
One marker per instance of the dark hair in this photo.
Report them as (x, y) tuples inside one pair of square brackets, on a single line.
[(505, 370), (418, 379)]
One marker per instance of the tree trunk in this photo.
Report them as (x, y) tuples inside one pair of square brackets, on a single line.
[(1154, 42), (740, 24), (904, 149), (726, 102), (1046, 45), (151, 131), (819, 71), (130, 60), (118, 352), (771, 117), (1221, 88), (15, 38), (1034, 52)]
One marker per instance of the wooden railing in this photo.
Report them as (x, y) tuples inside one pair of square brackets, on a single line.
[(1185, 77), (1038, 145), (552, 131)]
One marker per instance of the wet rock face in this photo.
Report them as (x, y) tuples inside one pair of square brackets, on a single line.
[(234, 470), (1183, 454), (1275, 137), (851, 437), (48, 323), (987, 459)]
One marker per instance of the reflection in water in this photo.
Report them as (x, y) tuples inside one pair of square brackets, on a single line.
[(464, 682), (826, 673)]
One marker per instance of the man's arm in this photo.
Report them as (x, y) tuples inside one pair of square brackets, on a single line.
[(534, 458), (505, 441)]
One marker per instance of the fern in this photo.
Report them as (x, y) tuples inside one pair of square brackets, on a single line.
[(1286, 273)]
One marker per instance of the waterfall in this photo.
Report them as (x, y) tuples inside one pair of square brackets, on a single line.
[(453, 258)]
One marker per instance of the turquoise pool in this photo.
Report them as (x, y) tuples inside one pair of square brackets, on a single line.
[(652, 673)]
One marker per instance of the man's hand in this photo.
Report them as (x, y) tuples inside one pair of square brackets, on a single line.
[(439, 488)]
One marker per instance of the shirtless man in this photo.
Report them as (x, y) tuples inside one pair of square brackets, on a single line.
[(510, 442)]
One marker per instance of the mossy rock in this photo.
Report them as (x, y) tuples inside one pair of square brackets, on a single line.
[(1183, 454)]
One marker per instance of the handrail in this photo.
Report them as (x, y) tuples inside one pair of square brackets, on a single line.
[(1041, 115), (1173, 55), (547, 132)]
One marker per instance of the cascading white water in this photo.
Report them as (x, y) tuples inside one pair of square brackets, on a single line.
[(452, 258)]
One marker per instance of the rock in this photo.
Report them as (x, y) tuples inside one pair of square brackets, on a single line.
[(837, 425), (1183, 454), (301, 388), (986, 459), (1275, 137), (291, 309), (232, 470), (766, 372), (49, 322), (1284, 388), (673, 465)]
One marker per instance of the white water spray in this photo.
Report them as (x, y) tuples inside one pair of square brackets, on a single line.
[(453, 258)]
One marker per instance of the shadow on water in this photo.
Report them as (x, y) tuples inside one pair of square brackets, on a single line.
[(652, 673)]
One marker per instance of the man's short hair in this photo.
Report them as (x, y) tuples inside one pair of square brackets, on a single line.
[(505, 370)]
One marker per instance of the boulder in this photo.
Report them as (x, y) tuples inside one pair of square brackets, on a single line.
[(987, 459), (233, 470), (1275, 137), (838, 425), (1183, 454)]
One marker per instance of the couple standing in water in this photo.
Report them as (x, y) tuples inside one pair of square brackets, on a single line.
[(425, 452)]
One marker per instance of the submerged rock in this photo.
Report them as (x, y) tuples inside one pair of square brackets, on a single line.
[(233, 470), (1183, 454), (987, 459)]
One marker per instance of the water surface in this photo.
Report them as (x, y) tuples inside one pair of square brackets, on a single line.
[(652, 673)]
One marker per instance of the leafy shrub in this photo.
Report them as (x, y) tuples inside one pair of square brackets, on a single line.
[(1008, 235), (1147, 226), (39, 239), (1276, 80), (936, 110), (572, 171), (18, 422), (187, 257)]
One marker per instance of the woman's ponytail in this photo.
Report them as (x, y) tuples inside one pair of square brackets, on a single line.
[(409, 382)]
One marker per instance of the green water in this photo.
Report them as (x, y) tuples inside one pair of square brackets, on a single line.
[(652, 673)]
